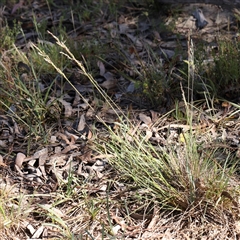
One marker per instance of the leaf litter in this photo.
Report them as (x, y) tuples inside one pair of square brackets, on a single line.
[(45, 168)]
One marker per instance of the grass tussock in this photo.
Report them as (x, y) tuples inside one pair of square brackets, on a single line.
[(181, 177)]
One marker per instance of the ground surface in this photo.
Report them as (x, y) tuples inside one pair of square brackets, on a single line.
[(53, 184)]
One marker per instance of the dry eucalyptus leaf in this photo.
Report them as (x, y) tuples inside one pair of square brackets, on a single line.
[(63, 137), (3, 144), (1, 161), (148, 135), (108, 84), (72, 136), (69, 148), (76, 100), (19, 160), (90, 135), (99, 165), (31, 229), (237, 227), (144, 118), (38, 233), (138, 44), (41, 152), (101, 68), (82, 123), (53, 139), (115, 229), (42, 159)]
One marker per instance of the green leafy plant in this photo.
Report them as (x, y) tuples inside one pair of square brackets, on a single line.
[(226, 71), (217, 71), (8, 36)]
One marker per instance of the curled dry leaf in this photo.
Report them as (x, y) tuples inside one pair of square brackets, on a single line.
[(101, 68), (109, 84), (53, 139), (90, 135), (19, 160), (3, 144), (30, 228), (99, 165), (38, 233), (42, 159), (41, 152), (144, 118), (72, 137), (1, 161), (237, 227), (82, 123), (115, 229), (155, 115), (69, 148), (148, 135), (63, 137)]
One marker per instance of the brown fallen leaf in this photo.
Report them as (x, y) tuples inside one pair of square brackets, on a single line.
[(90, 135), (148, 135), (30, 228), (69, 148), (63, 137), (109, 84), (19, 160), (82, 123), (1, 162), (101, 68), (40, 153), (144, 118)]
